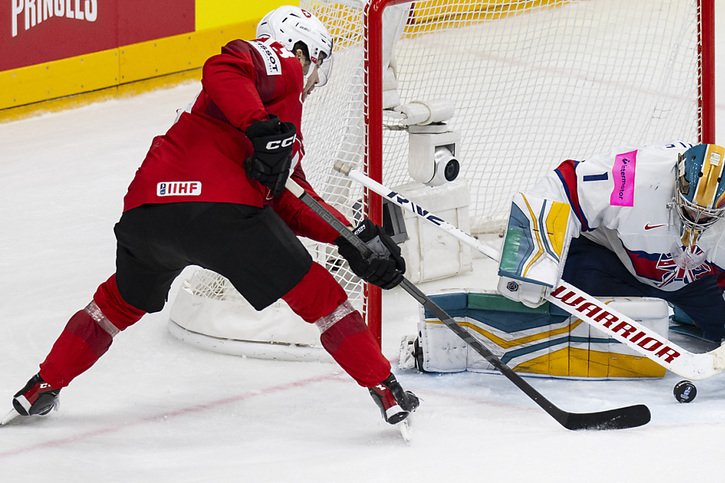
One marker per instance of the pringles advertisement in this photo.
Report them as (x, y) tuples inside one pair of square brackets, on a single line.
[(38, 31)]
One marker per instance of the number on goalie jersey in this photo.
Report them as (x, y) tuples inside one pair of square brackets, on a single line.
[(650, 223), (198, 199)]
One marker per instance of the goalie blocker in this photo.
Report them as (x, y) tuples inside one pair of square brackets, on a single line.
[(543, 341), (535, 248)]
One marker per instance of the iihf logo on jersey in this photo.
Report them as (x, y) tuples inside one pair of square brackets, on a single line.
[(178, 188), (685, 264)]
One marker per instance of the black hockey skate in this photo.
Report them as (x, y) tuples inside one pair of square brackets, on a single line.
[(395, 404), (37, 398)]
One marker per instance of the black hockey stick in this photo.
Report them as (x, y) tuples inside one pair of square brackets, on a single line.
[(620, 418)]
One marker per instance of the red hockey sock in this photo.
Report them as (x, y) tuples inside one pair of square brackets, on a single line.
[(349, 341), (79, 346), (319, 299), (88, 335), (316, 295)]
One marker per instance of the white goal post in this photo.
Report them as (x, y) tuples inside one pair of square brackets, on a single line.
[(523, 84)]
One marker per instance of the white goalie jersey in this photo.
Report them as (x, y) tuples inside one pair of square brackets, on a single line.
[(624, 201)]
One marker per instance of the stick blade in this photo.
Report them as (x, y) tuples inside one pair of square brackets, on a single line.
[(620, 418)]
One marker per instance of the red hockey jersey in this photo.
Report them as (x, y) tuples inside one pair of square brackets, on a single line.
[(201, 157)]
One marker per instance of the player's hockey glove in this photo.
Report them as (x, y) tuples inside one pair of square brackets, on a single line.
[(270, 163), (384, 267)]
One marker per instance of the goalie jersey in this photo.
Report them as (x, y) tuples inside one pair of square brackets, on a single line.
[(624, 201)]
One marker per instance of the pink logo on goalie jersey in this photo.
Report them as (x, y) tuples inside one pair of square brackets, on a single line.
[(178, 188), (623, 176)]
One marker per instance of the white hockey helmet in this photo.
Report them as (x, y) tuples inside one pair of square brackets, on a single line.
[(289, 25), (700, 196)]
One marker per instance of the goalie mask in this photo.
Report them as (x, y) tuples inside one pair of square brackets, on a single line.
[(293, 25), (700, 192)]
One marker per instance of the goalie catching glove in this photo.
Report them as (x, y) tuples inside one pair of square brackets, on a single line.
[(270, 163), (535, 247), (384, 266)]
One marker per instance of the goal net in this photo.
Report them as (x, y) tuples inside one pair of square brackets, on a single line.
[(522, 85)]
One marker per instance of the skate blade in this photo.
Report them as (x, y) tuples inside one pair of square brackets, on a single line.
[(405, 430), (9, 417)]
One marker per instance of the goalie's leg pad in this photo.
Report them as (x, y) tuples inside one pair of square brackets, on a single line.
[(88, 335), (410, 355), (545, 340)]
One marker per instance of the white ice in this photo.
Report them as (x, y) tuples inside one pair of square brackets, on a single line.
[(155, 409)]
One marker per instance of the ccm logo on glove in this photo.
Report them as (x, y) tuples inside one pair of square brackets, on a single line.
[(271, 160), (284, 143)]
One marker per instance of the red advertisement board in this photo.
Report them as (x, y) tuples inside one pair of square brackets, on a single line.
[(37, 31)]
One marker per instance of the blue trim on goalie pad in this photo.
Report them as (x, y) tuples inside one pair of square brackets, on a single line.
[(450, 301), (497, 311), (508, 322), (542, 231), (508, 356), (592, 340), (565, 341)]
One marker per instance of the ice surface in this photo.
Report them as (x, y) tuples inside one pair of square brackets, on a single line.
[(155, 409)]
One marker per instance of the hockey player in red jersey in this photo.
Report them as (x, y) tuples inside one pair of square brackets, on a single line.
[(210, 192)]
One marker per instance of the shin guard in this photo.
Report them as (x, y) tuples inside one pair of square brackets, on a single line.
[(316, 295), (88, 335), (349, 341), (319, 299)]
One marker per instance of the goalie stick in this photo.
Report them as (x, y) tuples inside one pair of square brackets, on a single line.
[(620, 418), (575, 301)]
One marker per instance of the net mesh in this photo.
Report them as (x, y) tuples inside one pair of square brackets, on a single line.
[(533, 83)]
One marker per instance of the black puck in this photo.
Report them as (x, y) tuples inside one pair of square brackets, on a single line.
[(684, 391)]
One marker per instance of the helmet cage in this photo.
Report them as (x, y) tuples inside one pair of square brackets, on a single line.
[(700, 191)]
